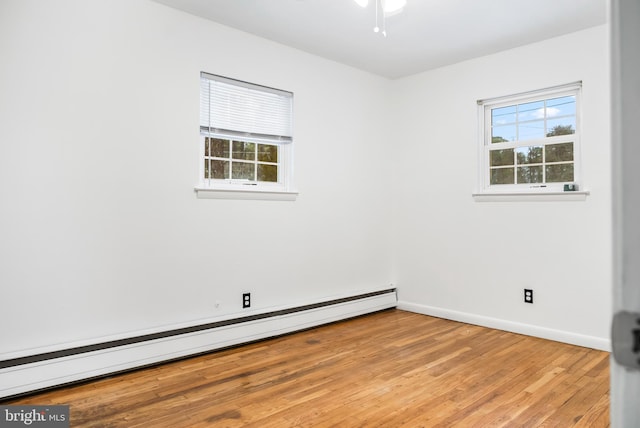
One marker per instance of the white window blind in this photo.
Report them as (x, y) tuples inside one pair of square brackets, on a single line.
[(239, 109)]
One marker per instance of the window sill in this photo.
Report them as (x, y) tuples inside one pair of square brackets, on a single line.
[(580, 195), (253, 194)]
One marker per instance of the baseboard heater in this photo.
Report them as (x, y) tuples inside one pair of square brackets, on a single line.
[(35, 372)]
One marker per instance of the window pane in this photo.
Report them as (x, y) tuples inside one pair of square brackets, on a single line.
[(531, 130), (531, 154), (219, 169), (530, 174), (243, 171), (501, 134), (268, 173), (502, 176), (531, 111), (561, 106), (501, 157), (559, 152), (562, 126), (559, 173), (503, 115), (244, 150), (217, 147), (206, 168), (267, 153)]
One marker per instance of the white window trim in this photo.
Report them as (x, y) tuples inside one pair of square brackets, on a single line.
[(527, 192), (241, 189), (255, 195), (580, 195), (207, 188)]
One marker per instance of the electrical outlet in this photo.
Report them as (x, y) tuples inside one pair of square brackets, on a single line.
[(528, 295), (246, 300)]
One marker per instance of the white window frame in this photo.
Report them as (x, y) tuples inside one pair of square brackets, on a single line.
[(244, 122), (487, 191)]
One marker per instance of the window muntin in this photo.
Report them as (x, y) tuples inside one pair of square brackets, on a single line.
[(246, 135), (226, 159), (530, 142)]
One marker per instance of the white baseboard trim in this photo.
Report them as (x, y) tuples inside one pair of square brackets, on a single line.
[(24, 378), (511, 326)]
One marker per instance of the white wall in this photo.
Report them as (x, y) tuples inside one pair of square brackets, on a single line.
[(468, 260), (101, 231), (102, 234)]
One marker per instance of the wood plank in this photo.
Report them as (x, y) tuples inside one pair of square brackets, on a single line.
[(392, 368)]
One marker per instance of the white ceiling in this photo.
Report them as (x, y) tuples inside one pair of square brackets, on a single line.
[(427, 35)]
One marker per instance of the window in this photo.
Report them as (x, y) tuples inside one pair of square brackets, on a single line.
[(245, 136), (530, 142)]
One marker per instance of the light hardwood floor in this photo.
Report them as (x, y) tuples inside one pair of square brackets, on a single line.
[(388, 369)]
